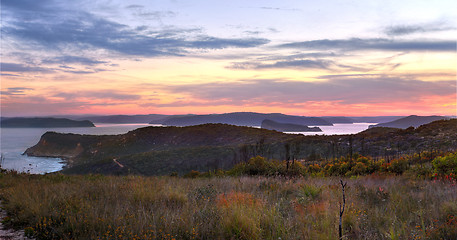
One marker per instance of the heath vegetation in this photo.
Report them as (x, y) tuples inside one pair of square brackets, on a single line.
[(254, 200)]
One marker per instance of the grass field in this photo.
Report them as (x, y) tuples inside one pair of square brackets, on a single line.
[(132, 207)]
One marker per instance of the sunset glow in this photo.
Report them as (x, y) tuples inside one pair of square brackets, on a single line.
[(176, 57)]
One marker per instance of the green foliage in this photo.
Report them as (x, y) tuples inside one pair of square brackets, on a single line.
[(308, 193), (398, 166), (192, 174), (260, 166), (445, 165), (420, 171)]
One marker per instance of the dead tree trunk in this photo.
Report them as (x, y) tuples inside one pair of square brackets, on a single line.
[(343, 185)]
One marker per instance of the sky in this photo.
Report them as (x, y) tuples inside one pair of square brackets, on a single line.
[(308, 58)]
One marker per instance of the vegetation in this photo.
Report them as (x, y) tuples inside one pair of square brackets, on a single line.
[(163, 150), (133, 207), (406, 191), (410, 121), (259, 199)]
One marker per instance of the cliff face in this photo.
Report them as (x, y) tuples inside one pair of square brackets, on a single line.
[(66, 146), (287, 127)]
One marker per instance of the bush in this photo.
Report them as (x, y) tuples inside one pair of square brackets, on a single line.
[(398, 166), (260, 166), (445, 165), (359, 169), (308, 193), (314, 168), (192, 174), (420, 171)]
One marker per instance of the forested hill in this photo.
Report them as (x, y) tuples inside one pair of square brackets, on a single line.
[(161, 150), (410, 121)]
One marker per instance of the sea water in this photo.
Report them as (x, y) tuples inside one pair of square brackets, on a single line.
[(14, 142)]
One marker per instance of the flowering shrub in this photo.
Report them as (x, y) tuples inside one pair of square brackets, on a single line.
[(446, 165)]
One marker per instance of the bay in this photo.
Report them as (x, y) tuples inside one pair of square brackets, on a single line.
[(14, 141)]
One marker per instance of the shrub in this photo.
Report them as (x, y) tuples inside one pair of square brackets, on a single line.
[(398, 166), (359, 169), (445, 165), (314, 168), (192, 174), (260, 166), (420, 172), (308, 193)]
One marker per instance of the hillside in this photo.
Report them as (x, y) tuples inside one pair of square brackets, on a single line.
[(410, 121), (177, 148), (376, 119), (162, 150), (244, 119), (126, 118), (287, 127), (334, 120), (43, 123)]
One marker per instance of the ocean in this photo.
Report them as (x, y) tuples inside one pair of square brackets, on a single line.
[(14, 141)]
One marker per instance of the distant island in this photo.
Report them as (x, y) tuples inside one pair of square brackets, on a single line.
[(43, 123), (242, 119), (234, 118), (287, 127), (344, 120), (120, 119), (410, 121)]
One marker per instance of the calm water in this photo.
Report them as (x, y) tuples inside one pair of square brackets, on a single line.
[(339, 129), (14, 141)]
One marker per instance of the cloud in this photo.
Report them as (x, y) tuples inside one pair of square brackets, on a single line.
[(134, 6), (346, 90), (401, 30), (98, 95), (27, 5), (60, 29), (16, 91), (17, 103), (16, 67), (358, 44), (275, 8), (73, 59), (296, 64), (156, 14), (280, 9)]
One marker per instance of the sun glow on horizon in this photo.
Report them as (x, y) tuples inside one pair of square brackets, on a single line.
[(322, 59)]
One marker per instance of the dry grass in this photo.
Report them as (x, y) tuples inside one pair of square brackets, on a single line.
[(132, 207)]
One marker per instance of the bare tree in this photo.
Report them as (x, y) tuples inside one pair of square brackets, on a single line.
[(343, 185)]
